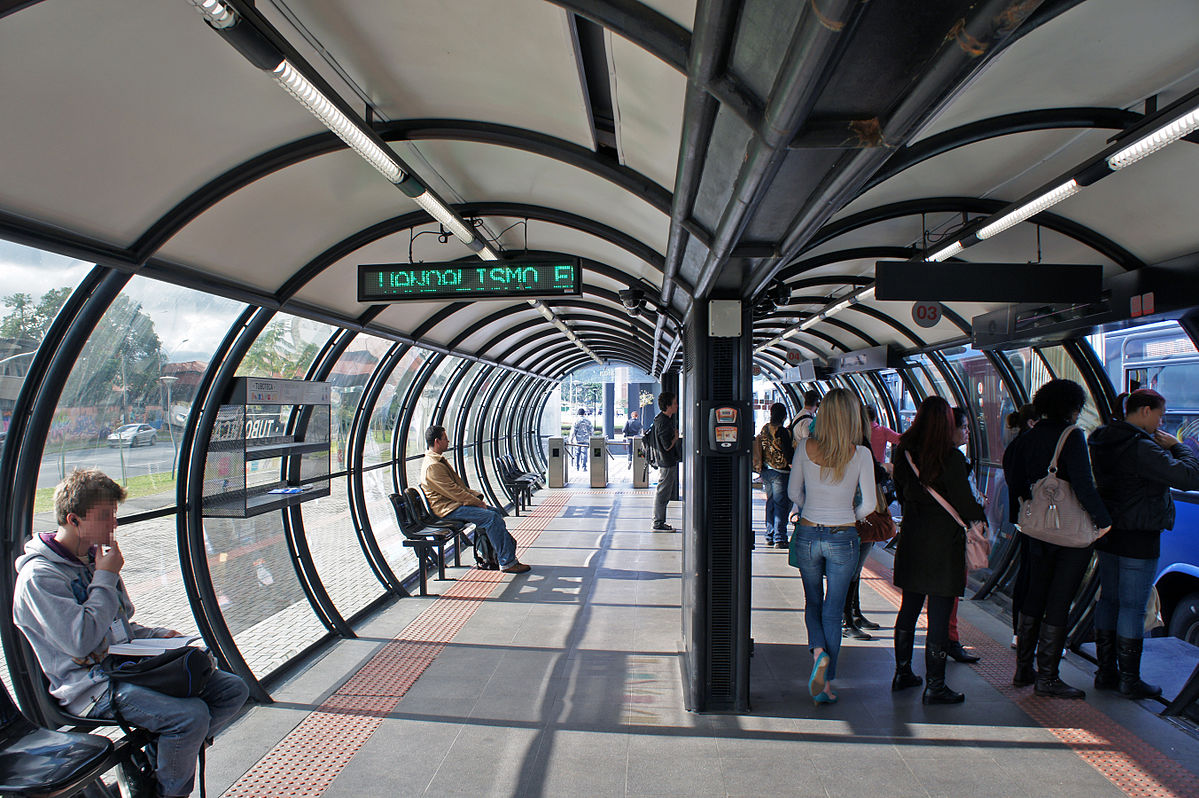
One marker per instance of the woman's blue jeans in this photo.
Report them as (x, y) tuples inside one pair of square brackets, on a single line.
[(778, 505), (182, 724), (828, 561), (1124, 584)]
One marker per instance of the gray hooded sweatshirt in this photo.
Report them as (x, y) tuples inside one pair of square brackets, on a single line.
[(71, 613)]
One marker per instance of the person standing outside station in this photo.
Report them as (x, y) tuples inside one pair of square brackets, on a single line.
[(450, 497), (670, 454), (774, 448), (1136, 464), (582, 435), (632, 430), (72, 606)]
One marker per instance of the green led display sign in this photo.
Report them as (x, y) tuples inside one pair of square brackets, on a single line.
[(521, 279)]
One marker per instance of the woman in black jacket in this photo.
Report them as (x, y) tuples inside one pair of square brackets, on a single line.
[(1054, 572), (1136, 464), (930, 559), (1018, 423)]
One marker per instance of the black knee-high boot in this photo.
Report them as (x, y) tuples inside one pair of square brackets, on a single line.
[(904, 678), (1028, 628), (858, 618), (935, 689), (1107, 677), (1128, 653), (849, 624), (1050, 645)]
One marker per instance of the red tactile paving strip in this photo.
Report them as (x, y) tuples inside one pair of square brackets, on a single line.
[(1124, 759), (305, 762)]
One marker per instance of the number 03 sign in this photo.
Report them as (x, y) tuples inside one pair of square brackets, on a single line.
[(926, 314)]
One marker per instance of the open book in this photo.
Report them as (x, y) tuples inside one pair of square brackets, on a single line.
[(151, 646)]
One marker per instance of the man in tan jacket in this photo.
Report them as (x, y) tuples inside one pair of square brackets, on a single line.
[(449, 497)]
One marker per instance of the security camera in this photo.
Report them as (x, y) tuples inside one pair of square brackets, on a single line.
[(633, 300), (780, 294)]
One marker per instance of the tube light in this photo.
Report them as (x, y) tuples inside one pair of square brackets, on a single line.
[(840, 306), (218, 15), (948, 252), (865, 295), (443, 214), (486, 253), (319, 106), (811, 322), (1147, 145), (1047, 200)]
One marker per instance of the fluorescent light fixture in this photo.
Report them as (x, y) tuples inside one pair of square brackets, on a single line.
[(865, 295), (1147, 145), (948, 252), (840, 306), (319, 106), (1047, 200), (443, 214), (811, 322), (486, 253), (218, 14)]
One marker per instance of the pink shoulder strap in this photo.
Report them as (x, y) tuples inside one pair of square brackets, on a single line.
[(936, 496)]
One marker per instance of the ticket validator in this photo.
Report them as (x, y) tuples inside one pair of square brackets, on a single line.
[(640, 463), (597, 461), (557, 462)]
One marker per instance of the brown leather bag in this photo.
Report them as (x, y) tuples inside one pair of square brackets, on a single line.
[(879, 525)]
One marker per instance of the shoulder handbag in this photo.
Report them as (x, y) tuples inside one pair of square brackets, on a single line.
[(181, 672), (978, 548), (879, 525), (1054, 514)]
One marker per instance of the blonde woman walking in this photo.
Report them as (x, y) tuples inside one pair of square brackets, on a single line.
[(829, 469)]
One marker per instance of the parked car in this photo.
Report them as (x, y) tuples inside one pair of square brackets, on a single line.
[(133, 435)]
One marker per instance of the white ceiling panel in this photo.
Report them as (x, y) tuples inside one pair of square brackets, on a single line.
[(267, 231), (1109, 53), (485, 172), (116, 111), (509, 62), (556, 238), (648, 99)]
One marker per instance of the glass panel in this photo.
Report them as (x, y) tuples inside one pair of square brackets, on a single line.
[(989, 402), (1029, 369), (386, 413), (426, 403), (349, 377), (1063, 366), (459, 399), (1161, 357), (285, 349), (376, 485), (336, 552), (25, 316), (257, 590), (150, 348), (152, 576)]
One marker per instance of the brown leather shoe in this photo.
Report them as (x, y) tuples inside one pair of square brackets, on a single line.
[(516, 568)]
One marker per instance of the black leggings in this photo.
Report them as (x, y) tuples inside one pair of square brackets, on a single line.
[(939, 608), (1054, 574)]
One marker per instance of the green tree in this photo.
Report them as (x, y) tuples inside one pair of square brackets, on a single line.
[(18, 322)]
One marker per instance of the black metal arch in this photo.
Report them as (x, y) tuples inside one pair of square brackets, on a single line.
[(837, 255), (538, 324), (1050, 221), (254, 169), (998, 126), (600, 341), (891, 322)]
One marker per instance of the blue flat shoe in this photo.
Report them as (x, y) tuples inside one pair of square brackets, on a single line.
[(824, 698), (816, 682)]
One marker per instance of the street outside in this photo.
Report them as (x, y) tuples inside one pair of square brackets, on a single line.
[(138, 461)]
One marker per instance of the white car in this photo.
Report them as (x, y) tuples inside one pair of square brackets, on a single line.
[(133, 435)]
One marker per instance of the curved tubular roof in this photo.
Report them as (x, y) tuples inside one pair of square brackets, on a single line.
[(696, 142)]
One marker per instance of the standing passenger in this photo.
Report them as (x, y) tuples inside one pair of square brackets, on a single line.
[(930, 560), (829, 472), (774, 448), (632, 430), (802, 426), (582, 435), (880, 436), (1018, 423), (961, 438), (855, 624), (1136, 464), (1054, 572), (670, 454)]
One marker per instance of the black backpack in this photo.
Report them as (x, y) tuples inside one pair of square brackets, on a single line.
[(650, 443), (485, 558)]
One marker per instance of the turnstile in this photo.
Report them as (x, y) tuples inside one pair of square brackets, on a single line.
[(640, 463), (597, 461), (557, 462)]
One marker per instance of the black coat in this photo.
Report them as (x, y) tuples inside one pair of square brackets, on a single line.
[(931, 555), (1030, 463), (1134, 476)]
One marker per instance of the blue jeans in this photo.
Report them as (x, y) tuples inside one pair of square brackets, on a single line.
[(182, 724), (1124, 584), (491, 523), (832, 553), (778, 505)]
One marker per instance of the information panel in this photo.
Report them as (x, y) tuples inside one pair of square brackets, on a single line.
[(525, 279)]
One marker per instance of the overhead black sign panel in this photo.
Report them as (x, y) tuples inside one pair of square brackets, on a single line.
[(987, 282), (428, 282)]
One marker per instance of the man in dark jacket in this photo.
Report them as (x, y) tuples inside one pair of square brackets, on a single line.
[(670, 454), (632, 430), (1136, 463)]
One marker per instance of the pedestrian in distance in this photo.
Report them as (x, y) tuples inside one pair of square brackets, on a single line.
[(582, 438), (668, 447), (632, 430)]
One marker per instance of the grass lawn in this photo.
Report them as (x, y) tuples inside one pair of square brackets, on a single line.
[(144, 485)]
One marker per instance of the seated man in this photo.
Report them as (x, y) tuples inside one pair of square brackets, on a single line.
[(449, 497), (72, 606)]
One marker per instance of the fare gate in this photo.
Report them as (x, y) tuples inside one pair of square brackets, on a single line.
[(557, 462), (640, 464), (597, 461)]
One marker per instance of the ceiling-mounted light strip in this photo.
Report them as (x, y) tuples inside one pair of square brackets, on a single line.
[(486, 253), (218, 14), (1030, 209), (319, 106), (1162, 137), (948, 252), (443, 214)]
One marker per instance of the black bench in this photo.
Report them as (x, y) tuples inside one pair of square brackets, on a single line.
[(427, 542), (463, 530), (40, 763)]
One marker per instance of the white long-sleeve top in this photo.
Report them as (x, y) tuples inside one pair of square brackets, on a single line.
[(832, 503)]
